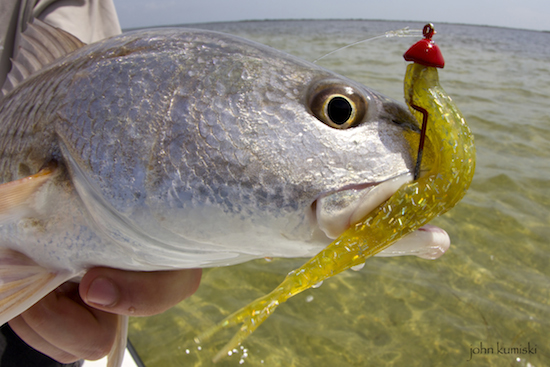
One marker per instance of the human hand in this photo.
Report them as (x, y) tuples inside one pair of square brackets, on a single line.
[(78, 321)]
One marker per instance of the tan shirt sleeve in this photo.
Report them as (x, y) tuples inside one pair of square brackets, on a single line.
[(89, 20), (92, 22)]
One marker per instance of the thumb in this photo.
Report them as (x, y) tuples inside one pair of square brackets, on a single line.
[(137, 293)]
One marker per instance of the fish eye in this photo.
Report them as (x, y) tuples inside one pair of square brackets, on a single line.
[(339, 109), (339, 106)]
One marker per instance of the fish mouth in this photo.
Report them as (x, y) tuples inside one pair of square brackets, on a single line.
[(336, 211)]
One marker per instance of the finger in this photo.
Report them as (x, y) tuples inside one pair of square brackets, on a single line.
[(55, 325), (32, 338), (137, 293)]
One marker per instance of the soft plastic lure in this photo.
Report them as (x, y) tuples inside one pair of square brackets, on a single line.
[(441, 181)]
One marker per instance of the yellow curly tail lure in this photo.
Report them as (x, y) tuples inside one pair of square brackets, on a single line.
[(440, 182)]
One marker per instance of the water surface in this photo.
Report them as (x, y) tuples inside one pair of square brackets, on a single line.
[(490, 292)]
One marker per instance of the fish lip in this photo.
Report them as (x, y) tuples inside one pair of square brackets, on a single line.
[(427, 242), (337, 210)]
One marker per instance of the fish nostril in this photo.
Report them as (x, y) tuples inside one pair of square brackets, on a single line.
[(314, 206)]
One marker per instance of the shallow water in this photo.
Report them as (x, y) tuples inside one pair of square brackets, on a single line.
[(490, 292)]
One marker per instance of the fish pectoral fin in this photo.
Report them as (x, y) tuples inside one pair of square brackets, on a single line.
[(19, 198), (114, 359), (23, 283)]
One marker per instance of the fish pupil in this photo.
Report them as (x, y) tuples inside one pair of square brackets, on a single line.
[(339, 110)]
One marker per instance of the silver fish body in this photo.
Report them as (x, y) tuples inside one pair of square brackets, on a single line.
[(187, 148)]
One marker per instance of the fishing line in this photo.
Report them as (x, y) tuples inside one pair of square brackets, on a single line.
[(404, 32), (133, 352)]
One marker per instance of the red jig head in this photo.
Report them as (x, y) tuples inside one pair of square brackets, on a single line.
[(425, 51)]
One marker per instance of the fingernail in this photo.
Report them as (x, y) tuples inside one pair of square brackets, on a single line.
[(103, 292)]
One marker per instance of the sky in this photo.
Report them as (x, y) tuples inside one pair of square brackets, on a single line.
[(524, 14)]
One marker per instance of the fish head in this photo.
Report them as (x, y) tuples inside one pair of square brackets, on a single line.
[(261, 141)]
